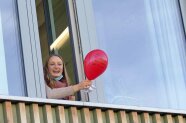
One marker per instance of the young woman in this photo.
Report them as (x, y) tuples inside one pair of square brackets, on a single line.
[(56, 80)]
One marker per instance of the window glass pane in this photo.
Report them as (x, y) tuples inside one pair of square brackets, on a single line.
[(146, 47), (12, 48), (3, 77)]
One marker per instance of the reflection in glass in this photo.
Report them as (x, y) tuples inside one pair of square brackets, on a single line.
[(12, 48), (3, 77), (146, 47)]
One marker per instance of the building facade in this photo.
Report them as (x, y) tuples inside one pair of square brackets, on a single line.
[(144, 40)]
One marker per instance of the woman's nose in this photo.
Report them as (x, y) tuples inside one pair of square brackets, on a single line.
[(55, 66)]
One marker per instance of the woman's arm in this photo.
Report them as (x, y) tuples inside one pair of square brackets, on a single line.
[(58, 93)]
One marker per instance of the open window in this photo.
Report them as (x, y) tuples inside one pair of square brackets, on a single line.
[(55, 34)]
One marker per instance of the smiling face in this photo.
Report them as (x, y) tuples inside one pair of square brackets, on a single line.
[(55, 66)]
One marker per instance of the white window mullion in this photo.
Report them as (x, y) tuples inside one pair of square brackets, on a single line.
[(31, 48)]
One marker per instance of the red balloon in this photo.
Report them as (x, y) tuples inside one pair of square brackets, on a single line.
[(95, 63)]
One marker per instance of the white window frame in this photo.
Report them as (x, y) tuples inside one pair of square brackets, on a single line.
[(31, 48)]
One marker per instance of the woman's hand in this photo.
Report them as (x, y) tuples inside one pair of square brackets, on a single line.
[(82, 85), (85, 84)]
